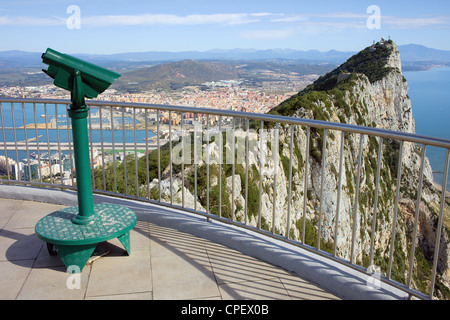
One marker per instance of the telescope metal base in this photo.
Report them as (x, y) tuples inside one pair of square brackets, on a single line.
[(75, 243)]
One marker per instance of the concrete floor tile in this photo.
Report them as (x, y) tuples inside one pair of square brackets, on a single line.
[(164, 264), (231, 266), (182, 277), (270, 289), (166, 241), (19, 244), (45, 260), (129, 296), (9, 207), (300, 289), (28, 213), (139, 238), (13, 276), (52, 284)]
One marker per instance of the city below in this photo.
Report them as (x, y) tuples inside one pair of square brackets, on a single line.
[(56, 161), (225, 94)]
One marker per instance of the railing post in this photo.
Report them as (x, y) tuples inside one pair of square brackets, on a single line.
[(338, 200), (355, 204), (276, 155), (288, 224), (394, 218), (416, 217), (305, 190), (261, 165), (322, 179), (220, 165), (113, 149), (375, 206), (439, 228), (4, 141)]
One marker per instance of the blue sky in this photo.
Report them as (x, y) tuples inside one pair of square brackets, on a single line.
[(115, 26)]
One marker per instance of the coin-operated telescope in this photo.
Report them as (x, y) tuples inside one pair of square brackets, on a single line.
[(73, 233), (79, 77)]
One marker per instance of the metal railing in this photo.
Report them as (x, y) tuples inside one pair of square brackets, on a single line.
[(143, 151)]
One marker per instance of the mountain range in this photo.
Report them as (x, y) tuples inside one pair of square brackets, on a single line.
[(173, 70), (178, 74), (409, 53)]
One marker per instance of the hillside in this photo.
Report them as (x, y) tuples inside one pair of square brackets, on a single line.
[(175, 75), (20, 68), (372, 62)]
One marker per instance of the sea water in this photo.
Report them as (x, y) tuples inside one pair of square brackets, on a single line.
[(40, 113), (429, 92)]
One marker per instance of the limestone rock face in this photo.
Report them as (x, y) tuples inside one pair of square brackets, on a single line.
[(375, 101)]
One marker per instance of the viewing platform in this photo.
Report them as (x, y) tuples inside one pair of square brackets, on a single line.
[(165, 263)]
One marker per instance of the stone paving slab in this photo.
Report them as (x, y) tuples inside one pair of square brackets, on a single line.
[(164, 264)]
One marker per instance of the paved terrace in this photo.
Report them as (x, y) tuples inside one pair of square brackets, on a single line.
[(164, 264), (174, 255)]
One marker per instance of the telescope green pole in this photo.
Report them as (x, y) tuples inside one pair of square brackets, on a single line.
[(78, 112)]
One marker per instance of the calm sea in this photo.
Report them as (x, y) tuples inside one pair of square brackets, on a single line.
[(20, 112), (429, 92)]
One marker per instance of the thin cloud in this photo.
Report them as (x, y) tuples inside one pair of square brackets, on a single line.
[(31, 21), (289, 19), (415, 23), (313, 16), (358, 20), (142, 19), (169, 19), (342, 20)]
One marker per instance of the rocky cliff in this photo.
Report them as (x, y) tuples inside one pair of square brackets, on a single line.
[(369, 90)]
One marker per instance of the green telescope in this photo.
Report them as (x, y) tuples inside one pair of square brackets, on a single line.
[(62, 69), (75, 232), (83, 80)]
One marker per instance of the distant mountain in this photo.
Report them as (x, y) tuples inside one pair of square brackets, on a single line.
[(415, 52), (224, 54), (33, 59), (409, 53), (176, 75), (20, 67), (20, 59)]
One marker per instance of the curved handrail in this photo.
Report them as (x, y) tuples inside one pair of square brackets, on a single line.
[(319, 124)]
